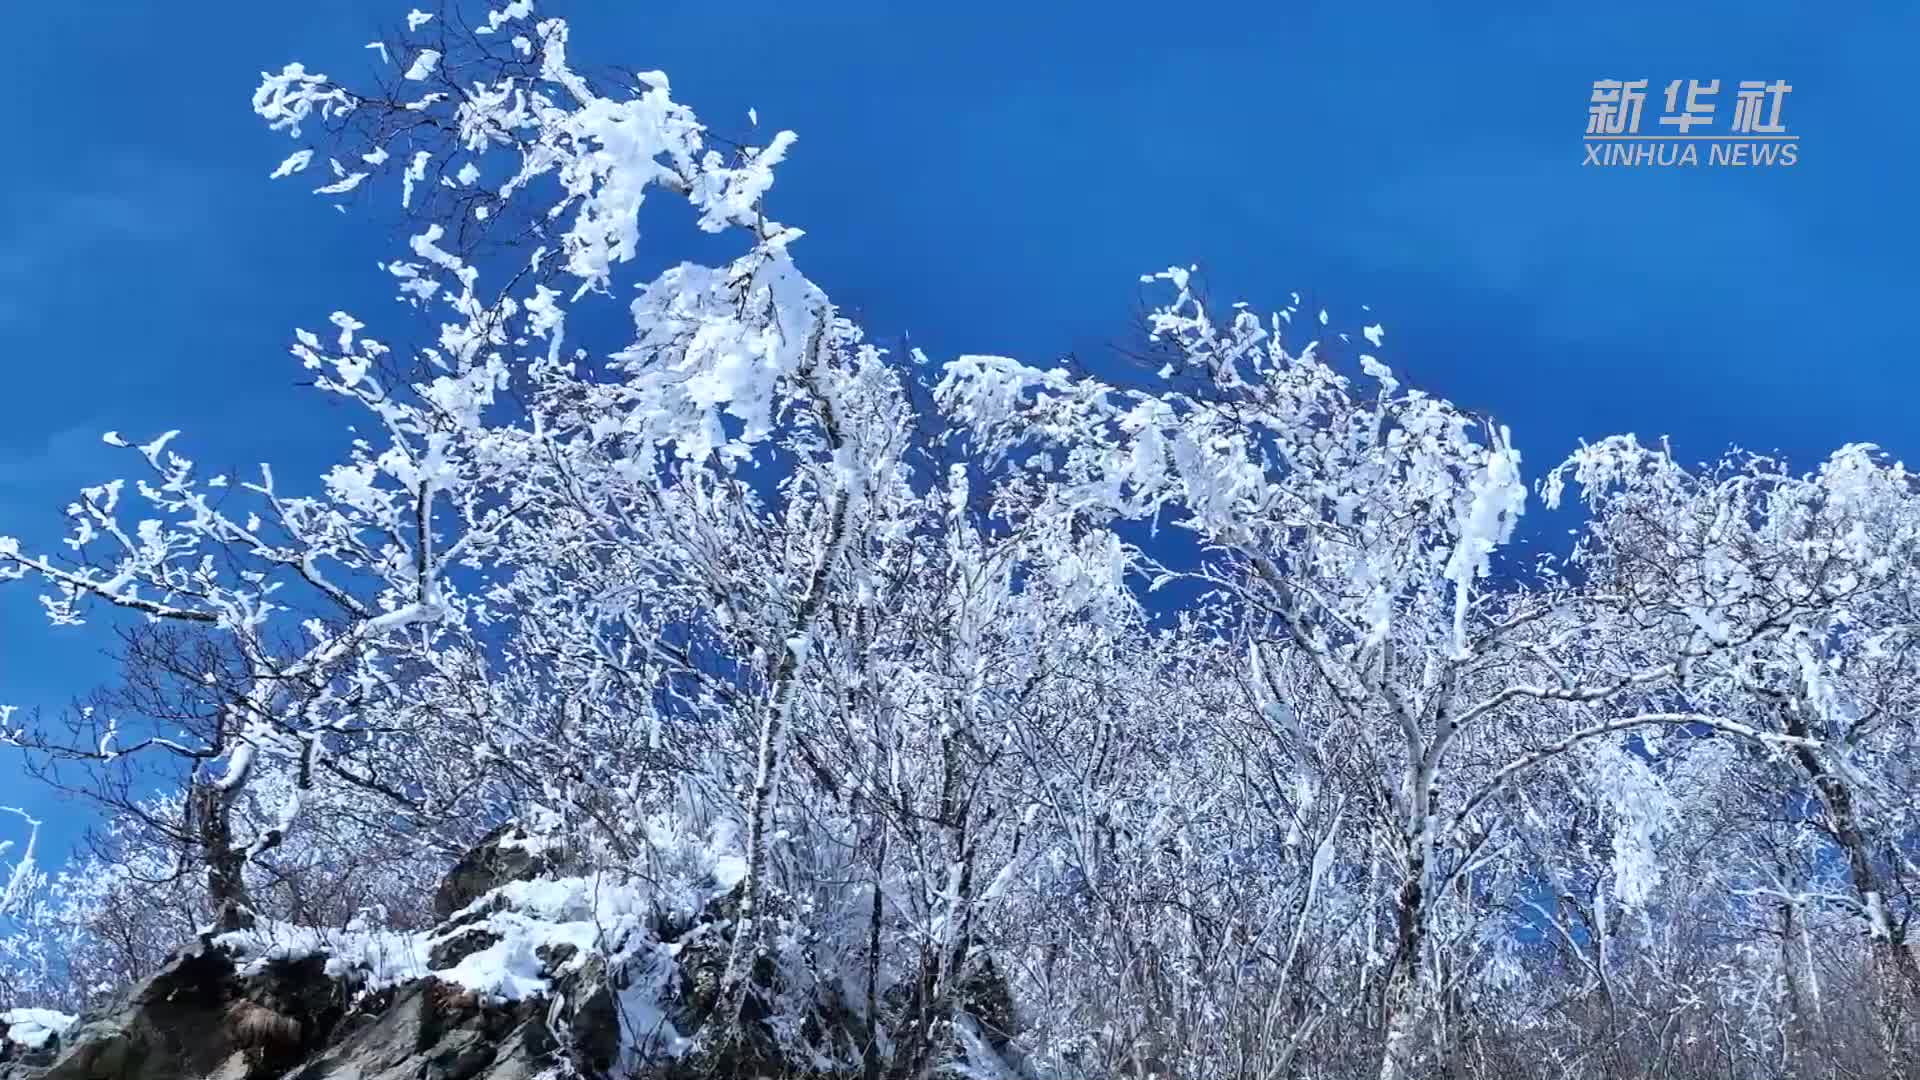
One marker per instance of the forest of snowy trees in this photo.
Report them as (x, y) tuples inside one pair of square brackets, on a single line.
[(1202, 701)]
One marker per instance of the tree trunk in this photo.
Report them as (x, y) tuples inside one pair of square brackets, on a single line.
[(1893, 960), (746, 933), (226, 864), (1798, 1030), (1895, 973), (1402, 1012)]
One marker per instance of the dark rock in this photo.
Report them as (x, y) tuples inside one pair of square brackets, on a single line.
[(448, 951), (166, 1027), (554, 957), (984, 995), (493, 863), (595, 1031), (430, 1030), (197, 1017)]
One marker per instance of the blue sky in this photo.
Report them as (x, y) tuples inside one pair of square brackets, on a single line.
[(993, 177)]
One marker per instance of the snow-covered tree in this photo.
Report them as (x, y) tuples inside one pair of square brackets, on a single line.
[(965, 718)]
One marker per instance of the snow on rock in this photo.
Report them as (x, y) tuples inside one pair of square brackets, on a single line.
[(538, 933), (379, 958), (32, 1029), (537, 922)]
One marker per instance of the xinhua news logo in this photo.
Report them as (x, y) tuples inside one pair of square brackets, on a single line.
[(1689, 131)]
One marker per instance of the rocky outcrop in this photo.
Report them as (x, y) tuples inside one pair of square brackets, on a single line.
[(229, 1009), (430, 1030), (508, 853), (30, 1040), (197, 1017)]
